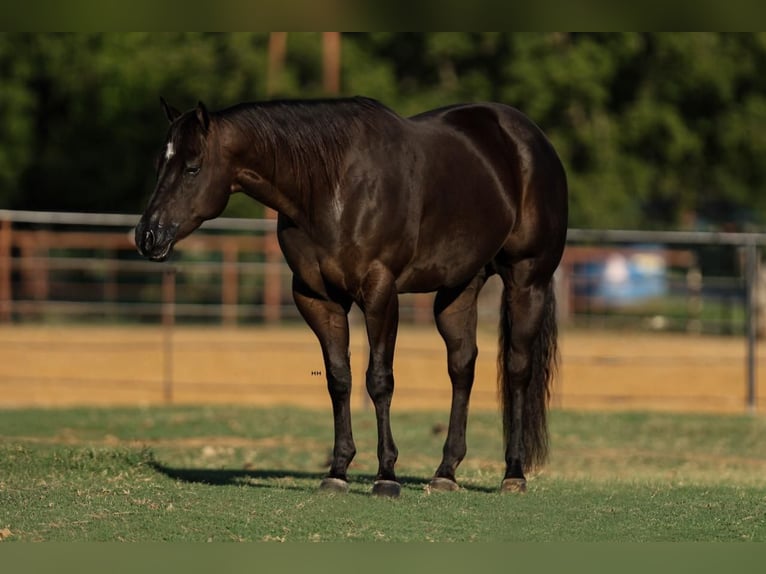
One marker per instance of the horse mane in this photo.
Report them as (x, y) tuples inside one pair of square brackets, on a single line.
[(312, 135)]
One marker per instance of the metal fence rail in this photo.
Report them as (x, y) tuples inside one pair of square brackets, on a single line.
[(82, 267), (748, 243)]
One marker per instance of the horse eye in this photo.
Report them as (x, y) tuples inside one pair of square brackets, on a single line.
[(192, 170)]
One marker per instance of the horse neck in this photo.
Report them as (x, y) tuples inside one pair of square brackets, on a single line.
[(287, 168)]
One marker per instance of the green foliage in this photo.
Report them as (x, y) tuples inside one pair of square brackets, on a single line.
[(654, 128), (245, 474)]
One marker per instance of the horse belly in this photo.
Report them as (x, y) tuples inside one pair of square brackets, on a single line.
[(448, 263), (460, 233)]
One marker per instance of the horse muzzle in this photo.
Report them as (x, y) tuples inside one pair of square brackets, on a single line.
[(155, 242)]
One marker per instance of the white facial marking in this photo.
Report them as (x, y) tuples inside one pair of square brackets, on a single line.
[(169, 151)]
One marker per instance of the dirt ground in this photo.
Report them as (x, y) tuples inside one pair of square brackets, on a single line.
[(57, 366)]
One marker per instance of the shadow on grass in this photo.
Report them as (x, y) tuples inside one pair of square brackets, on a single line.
[(271, 478)]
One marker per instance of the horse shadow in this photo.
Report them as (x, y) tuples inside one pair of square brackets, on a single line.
[(277, 478)]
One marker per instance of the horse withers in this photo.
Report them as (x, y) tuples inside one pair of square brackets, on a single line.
[(371, 204)]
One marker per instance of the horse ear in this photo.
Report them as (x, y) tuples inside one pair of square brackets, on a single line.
[(170, 111), (202, 115)]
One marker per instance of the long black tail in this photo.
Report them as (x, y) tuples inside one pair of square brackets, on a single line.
[(543, 363)]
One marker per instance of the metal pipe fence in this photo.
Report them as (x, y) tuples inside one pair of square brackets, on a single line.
[(744, 287), (82, 268)]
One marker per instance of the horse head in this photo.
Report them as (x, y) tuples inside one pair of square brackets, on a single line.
[(193, 184)]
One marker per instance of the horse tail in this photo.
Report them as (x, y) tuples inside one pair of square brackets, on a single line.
[(543, 361)]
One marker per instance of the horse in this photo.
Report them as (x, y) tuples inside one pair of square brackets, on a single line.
[(371, 204)]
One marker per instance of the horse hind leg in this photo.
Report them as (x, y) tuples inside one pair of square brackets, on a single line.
[(456, 316), (380, 305), (526, 361)]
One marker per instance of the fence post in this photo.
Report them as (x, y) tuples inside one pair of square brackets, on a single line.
[(111, 287), (694, 299), (168, 324), (331, 62), (422, 308), (5, 270), (230, 283), (272, 286), (276, 56), (751, 320)]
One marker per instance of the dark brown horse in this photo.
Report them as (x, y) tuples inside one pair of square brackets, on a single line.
[(372, 205)]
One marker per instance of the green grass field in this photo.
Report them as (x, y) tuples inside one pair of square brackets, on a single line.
[(246, 474)]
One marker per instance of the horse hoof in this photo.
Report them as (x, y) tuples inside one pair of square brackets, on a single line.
[(514, 485), (332, 485), (387, 488), (441, 484)]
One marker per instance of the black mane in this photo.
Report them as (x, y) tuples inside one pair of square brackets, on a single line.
[(312, 134)]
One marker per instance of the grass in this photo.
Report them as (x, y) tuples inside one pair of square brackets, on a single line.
[(247, 474)]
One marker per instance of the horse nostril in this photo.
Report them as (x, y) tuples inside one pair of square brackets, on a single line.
[(148, 240)]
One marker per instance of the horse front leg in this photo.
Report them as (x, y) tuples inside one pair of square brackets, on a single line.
[(329, 321), (380, 304)]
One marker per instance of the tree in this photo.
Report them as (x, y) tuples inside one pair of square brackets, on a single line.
[(16, 115), (651, 127)]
